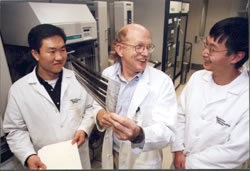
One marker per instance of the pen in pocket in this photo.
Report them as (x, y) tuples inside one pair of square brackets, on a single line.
[(136, 114)]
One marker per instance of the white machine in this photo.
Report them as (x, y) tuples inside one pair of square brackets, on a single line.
[(75, 19), (123, 13), (7, 161), (5, 80), (100, 12), (18, 18)]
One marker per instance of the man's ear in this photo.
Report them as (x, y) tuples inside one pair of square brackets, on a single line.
[(35, 54), (238, 56), (119, 50)]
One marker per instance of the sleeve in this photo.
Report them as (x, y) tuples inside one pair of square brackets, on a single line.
[(161, 133), (88, 121), (14, 126), (228, 155), (98, 126), (178, 145)]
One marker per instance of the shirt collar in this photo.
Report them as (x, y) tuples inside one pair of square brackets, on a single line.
[(236, 86), (42, 81), (122, 79)]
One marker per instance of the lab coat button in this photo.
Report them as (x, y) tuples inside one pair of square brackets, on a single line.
[(61, 126)]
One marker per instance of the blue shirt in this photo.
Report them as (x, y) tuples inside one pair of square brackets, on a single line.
[(126, 93)]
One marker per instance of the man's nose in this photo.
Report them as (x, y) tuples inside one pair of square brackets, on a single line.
[(205, 52), (146, 51), (59, 56)]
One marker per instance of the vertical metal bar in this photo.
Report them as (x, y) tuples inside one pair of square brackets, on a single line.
[(165, 36)]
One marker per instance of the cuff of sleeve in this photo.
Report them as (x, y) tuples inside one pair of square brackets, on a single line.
[(176, 147), (98, 126), (137, 148), (25, 162), (87, 125)]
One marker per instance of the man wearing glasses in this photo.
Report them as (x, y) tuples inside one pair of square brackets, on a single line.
[(213, 109), (145, 115)]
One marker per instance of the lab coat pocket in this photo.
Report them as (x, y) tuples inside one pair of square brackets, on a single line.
[(145, 115), (215, 133), (148, 160), (76, 108)]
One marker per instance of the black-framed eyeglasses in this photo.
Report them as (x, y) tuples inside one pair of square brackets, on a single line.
[(141, 47), (211, 50)]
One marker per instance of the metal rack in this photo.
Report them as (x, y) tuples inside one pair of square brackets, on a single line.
[(186, 61), (175, 27)]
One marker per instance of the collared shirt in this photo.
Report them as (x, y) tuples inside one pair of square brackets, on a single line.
[(54, 91), (126, 93)]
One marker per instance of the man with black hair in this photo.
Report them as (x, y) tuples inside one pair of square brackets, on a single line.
[(213, 109), (48, 105)]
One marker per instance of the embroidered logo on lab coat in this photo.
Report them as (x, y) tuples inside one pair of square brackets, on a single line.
[(75, 100), (221, 121)]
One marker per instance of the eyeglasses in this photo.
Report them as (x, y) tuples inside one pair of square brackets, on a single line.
[(141, 47), (211, 50)]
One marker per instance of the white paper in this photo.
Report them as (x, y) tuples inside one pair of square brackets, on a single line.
[(61, 155)]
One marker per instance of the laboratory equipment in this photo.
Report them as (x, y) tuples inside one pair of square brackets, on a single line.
[(7, 159), (99, 10), (176, 18), (75, 19), (123, 14), (186, 61)]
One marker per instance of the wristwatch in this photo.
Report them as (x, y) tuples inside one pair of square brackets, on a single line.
[(139, 138)]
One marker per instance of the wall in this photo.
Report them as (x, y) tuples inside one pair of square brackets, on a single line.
[(217, 10), (150, 13), (194, 17)]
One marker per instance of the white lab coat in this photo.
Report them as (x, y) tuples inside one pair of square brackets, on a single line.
[(32, 120), (155, 95), (213, 128)]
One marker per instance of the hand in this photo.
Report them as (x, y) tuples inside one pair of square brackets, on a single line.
[(104, 118), (124, 128), (79, 137), (179, 160), (34, 163)]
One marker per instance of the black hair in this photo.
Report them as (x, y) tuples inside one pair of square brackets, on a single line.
[(42, 31), (235, 31)]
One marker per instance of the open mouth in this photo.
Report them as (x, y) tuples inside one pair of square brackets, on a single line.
[(142, 60)]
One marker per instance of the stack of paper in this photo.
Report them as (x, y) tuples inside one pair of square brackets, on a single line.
[(61, 155)]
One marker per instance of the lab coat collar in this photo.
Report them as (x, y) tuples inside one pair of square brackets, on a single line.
[(236, 86), (66, 80), (118, 70), (122, 79), (241, 83), (140, 93), (33, 80)]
